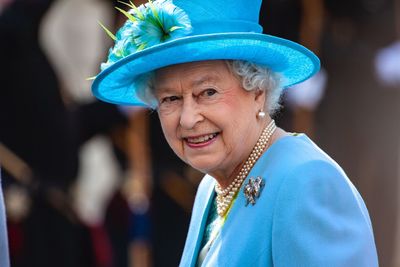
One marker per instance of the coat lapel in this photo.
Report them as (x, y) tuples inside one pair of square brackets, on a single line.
[(233, 227), (198, 221)]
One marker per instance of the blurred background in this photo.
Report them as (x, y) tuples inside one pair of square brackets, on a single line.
[(89, 184)]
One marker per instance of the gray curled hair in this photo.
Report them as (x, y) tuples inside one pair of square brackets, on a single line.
[(256, 77), (252, 76)]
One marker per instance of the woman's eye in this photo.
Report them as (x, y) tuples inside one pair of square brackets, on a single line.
[(169, 99), (209, 92)]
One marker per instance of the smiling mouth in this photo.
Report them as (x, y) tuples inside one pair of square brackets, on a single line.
[(201, 139)]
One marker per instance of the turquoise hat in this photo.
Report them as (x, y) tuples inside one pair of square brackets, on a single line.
[(167, 32)]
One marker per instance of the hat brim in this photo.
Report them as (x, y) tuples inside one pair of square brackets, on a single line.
[(295, 63)]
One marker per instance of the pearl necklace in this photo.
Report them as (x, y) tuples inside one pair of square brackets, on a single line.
[(225, 196)]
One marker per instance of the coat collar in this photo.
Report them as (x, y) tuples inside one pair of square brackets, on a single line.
[(232, 224), (202, 205)]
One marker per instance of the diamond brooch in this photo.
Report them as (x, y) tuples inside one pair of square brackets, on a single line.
[(252, 190)]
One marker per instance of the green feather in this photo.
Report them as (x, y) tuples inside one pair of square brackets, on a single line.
[(137, 11), (174, 28), (109, 33), (129, 16), (141, 47), (91, 78), (124, 3), (154, 10)]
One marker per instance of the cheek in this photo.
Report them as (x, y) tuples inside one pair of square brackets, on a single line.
[(232, 137), (229, 100), (169, 126), (235, 104), (237, 127)]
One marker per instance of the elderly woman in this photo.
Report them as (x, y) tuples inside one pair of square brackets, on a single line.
[(269, 197)]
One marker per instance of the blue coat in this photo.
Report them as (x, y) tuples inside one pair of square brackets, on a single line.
[(308, 214)]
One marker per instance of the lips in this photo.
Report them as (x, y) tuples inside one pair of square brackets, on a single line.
[(200, 139), (203, 139)]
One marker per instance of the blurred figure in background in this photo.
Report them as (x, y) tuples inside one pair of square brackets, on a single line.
[(116, 156), (4, 254), (387, 59), (358, 118), (37, 128), (387, 71), (41, 133)]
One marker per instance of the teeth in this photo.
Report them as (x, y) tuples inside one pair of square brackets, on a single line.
[(201, 139)]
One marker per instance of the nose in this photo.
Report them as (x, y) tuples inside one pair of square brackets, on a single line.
[(190, 114)]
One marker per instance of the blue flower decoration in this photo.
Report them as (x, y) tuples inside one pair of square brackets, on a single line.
[(147, 25)]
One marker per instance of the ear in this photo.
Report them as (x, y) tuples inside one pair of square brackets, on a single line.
[(259, 98)]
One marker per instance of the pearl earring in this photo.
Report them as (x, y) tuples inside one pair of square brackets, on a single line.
[(261, 114)]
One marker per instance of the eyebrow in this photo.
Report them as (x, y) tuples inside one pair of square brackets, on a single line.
[(206, 78), (198, 81)]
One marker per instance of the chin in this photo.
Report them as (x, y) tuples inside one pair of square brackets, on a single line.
[(204, 166)]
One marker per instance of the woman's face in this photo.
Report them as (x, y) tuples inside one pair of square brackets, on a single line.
[(208, 119)]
